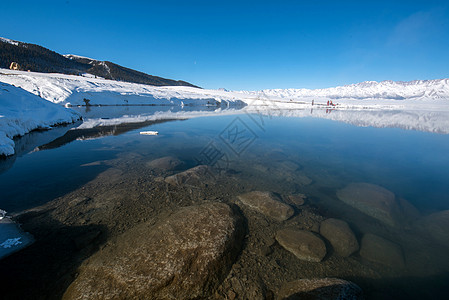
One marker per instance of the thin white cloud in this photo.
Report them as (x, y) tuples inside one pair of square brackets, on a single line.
[(418, 28)]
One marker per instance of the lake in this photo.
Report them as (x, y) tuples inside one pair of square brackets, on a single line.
[(388, 181)]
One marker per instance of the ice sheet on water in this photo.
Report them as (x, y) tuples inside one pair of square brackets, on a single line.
[(12, 237), (11, 243)]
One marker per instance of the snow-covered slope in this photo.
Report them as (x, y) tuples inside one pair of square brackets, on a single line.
[(72, 90), (369, 90), (22, 112)]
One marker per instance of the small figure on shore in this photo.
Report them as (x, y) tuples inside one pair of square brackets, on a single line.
[(332, 104), (313, 101), (327, 102)]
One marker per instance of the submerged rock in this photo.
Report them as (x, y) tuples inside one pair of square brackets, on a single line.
[(305, 245), (373, 200), (183, 256), (340, 235), (302, 179), (410, 212), (268, 204), (297, 199), (289, 165), (437, 226), (193, 176), (380, 250), (321, 288), (167, 163)]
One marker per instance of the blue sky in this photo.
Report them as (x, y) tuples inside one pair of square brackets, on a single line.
[(248, 45)]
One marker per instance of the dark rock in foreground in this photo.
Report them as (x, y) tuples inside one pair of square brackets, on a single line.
[(268, 204), (184, 256), (321, 288), (303, 244)]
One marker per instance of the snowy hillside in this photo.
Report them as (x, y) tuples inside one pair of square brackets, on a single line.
[(370, 90), (22, 112), (72, 90), (31, 57)]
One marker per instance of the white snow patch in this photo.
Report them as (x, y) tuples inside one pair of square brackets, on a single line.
[(72, 56), (5, 40)]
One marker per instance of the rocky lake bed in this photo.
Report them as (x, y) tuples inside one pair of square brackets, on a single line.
[(163, 228)]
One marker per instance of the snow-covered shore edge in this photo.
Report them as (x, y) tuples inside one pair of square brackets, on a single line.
[(22, 112)]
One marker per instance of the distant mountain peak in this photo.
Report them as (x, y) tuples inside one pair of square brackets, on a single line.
[(387, 89)]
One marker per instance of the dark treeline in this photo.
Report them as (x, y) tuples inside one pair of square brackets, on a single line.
[(39, 59)]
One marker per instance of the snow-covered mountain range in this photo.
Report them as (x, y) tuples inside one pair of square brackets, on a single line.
[(390, 90)]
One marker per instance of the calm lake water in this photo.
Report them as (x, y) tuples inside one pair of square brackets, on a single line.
[(288, 155)]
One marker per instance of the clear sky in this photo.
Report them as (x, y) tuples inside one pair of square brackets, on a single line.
[(247, 45)]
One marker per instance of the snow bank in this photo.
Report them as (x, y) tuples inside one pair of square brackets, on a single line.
[(73, 90), (22, 112)]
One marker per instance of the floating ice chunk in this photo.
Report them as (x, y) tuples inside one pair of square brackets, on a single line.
[(2, 214), (149, 132), (10, 243)]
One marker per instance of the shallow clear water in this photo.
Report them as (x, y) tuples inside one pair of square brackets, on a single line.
[(412, 164), (287, 155)]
